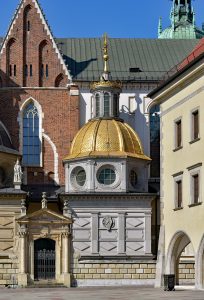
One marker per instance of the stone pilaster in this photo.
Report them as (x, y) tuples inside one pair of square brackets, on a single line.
[(94, 233), (66, 257), (23, 276), (121, 233)]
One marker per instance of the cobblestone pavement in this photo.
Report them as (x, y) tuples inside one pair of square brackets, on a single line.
[(99, 293)]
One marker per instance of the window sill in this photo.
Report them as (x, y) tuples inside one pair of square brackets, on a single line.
[(178, 208), (195, 204), (194, 141), (178, 148)]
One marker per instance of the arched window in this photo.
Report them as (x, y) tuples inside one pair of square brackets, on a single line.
[(106, 105), (31, 140), (97, 105)]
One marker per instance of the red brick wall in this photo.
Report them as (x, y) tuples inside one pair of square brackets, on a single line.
[(60, 110)]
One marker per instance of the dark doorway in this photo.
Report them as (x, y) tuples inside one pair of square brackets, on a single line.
[(44, 259)]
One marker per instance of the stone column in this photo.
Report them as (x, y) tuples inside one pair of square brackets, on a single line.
[(124, 176), (66, 257), (90, 176), (23, 276), (32, 260)]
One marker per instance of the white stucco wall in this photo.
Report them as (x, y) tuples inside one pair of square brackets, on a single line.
[(138, 120)]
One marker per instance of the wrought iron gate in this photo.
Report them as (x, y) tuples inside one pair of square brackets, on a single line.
[(44, 261)]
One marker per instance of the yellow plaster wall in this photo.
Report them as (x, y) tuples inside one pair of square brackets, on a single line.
[(188, 219)]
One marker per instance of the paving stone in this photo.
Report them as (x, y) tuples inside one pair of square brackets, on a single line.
[(100, 293)]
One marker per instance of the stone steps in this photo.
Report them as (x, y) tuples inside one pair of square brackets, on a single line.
[(46, 284)]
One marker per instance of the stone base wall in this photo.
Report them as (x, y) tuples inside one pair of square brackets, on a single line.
[(8, 272), (186, 272), (95, 273)]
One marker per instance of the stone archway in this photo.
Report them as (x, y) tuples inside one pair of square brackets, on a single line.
[(199, 266), (177, 246)]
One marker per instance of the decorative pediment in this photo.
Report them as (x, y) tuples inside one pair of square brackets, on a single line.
[(44, 216)]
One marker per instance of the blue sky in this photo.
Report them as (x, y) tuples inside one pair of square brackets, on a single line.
[(91, 18)]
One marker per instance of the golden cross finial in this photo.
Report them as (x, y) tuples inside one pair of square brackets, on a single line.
[(105, 53)]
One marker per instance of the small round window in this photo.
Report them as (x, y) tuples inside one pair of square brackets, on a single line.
[(133, 178), (107, 176), (81, 177)]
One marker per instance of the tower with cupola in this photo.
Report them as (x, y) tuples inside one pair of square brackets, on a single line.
[(106, 154), (183, 25)]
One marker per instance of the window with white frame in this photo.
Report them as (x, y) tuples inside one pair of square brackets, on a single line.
[(178, 190), (31, 140), (195, 186)]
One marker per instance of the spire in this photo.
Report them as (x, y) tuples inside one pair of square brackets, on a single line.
[(160, 26), (105, 53), (106, 91)]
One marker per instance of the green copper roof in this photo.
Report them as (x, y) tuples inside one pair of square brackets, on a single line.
[(182, 18), (130, 59)]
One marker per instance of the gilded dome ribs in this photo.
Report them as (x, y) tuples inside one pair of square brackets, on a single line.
[(108, 138)]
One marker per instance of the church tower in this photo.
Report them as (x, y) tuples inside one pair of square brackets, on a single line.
[(182, 18)]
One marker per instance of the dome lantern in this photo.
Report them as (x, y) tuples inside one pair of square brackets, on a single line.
[(106, 92)]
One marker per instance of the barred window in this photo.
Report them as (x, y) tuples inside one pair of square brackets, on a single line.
[(31, 140)]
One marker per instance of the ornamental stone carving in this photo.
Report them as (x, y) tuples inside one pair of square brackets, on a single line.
[(108, 222)]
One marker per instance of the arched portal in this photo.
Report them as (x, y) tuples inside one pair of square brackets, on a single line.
[(181, 259), (44, 259), (199, 266)]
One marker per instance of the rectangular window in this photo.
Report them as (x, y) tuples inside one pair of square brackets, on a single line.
[(42, 70), (178, 141), (26, 70), (47, 71), (195, 125), (196, 188), (179, 193), (14, 72), (28, 26), (31, 70), (10, 70)]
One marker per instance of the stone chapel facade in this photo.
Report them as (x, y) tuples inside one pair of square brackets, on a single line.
[(85, 205)]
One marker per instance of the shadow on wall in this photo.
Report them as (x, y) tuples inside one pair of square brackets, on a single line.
[(136, 120), (83, 110)]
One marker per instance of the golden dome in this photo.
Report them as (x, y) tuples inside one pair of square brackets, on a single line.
[(105, 138)]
